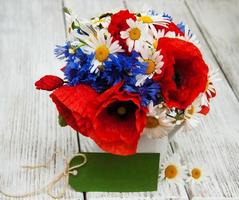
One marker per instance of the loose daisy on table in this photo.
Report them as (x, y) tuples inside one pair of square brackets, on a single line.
[(102, 45), (173, 171), (197, 174), (154, 62), (135, 35), (158, 123)]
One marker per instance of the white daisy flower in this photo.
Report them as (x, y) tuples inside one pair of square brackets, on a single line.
[(197, 174), (173, 171), (155, 35), (158, 123), (176, 115), (153, 20), (190, 37), (210, 90), (101, 44), (104, 21), (135, 35), (191, 113), (154, 64)]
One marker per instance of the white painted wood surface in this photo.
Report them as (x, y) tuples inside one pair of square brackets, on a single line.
[(29, 132), (218, 21)]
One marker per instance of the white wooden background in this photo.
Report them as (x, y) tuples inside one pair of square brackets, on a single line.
[(29, 132)]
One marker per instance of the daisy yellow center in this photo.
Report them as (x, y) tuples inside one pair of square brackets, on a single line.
[(196, 173), (171, 172), (72, 50), (152, 122), (102, 53), (207, 85), (146, 19), (155, 44), (134, 34), (151, 66), (121, 110), (191, 110)]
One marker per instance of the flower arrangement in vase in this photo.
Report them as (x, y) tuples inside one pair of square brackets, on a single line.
[(130, 78)]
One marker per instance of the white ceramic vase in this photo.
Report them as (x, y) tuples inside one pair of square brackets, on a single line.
[(145, 145)]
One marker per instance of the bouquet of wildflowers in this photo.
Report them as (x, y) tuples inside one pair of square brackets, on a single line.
[(128, 74)]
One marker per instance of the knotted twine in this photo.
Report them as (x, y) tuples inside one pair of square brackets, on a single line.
[(49, 187)]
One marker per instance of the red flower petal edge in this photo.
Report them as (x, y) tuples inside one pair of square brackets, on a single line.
[(49, 83), (73, 105)]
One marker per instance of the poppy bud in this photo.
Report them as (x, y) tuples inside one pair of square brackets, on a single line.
[(49, 83)]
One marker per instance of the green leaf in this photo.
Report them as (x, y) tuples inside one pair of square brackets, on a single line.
[(61, 121), (110, 173)]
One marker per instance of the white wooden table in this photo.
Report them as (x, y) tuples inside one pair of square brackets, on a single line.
[(29, 132)]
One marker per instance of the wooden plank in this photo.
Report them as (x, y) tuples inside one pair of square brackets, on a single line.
[(215, 142), (219, 24), (29, 132)]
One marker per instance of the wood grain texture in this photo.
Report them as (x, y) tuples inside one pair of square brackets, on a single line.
[(218, 20), (215, 142), (29, 132)]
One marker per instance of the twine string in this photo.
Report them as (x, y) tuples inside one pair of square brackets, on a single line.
[(51, 185)]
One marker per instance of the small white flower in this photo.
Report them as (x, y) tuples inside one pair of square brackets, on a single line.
[(153, 20), (154, 64), (176, 115), (154, 36), (135, 35), (157, 34), (104, 22), (197, 174), (191, 113), (158, 123), (190, 37), (173, 171), (210, 90), (102, 45)]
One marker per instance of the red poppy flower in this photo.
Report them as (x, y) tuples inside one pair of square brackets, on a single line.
[(73, 104), (118, 122), (113, 119), (185, 72), (49, 83), (118, 24)]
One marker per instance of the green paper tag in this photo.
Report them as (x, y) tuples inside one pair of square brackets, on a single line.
[(110, 173)]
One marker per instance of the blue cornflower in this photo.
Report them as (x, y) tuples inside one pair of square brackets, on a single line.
[(184, 28), (149, 91), (78, 70), (62, 52), (181, 26), (117, 68), (168, 17)]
